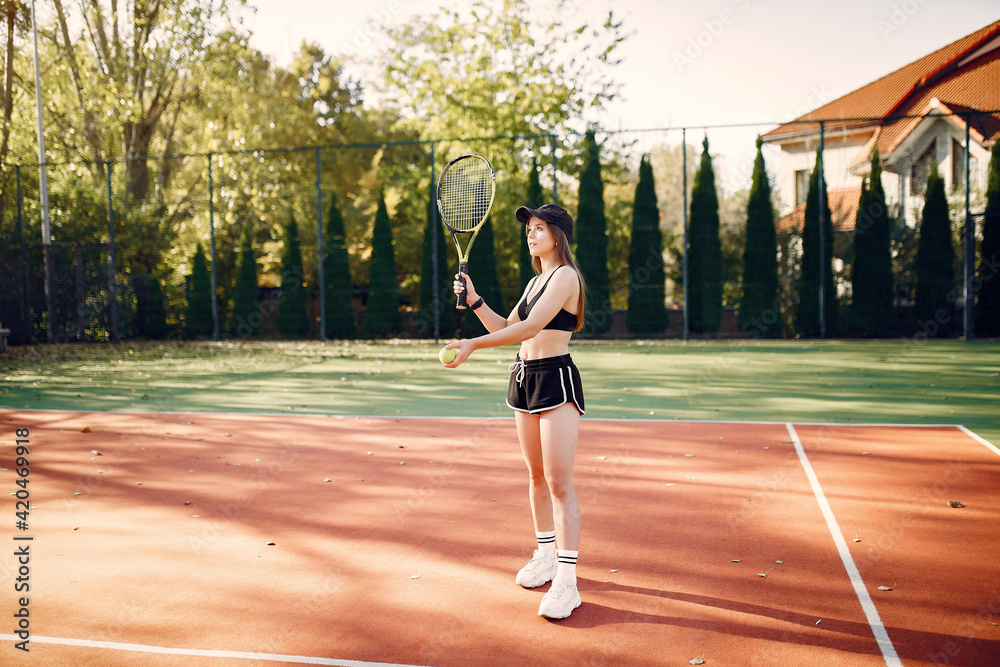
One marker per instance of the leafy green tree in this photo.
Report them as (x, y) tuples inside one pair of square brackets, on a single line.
[(154, 321), (647, 312), (337, 274), (533, 201), (293, 318), (807, 319), (128, 68), (198, 314), (988, 301), (871, 277), (592, 240), (382, 316), (246, 318), (934, 310), (760, 309), (705, 251)]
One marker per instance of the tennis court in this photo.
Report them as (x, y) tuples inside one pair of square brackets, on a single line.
[(256, 539)]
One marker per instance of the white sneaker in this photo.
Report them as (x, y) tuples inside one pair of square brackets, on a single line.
[(560, 601), (539, 570)]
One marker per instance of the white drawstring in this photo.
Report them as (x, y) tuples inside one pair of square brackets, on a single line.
[(517, 366)]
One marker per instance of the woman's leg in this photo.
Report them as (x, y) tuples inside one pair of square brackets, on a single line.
[(529, 436), (558, 430)]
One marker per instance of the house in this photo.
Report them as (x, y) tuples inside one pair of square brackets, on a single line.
[(915, 116)]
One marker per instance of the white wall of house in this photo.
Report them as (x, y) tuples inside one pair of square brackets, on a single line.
[(842, 149)]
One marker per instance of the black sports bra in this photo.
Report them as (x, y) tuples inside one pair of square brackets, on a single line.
[(563, 321)]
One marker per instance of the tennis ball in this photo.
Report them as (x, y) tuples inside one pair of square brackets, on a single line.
[(447, 355)]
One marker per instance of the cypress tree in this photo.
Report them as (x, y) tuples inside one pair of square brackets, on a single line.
[(647, 313), (428, 289), (337, 276), (198, 312), (988, 301), (871, 278), (534, 201), (704, 251), (246, 318), (483, 271), (935, 263), (760, 308), (592, 240), (807, 320), (293, 318), (154, 324), (382, 317)]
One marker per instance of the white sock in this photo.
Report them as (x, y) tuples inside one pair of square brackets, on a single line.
[(546, 540), (567, 566)]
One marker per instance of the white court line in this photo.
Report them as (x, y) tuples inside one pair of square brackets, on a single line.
[(978, 438), (203, 653), (867, 605)]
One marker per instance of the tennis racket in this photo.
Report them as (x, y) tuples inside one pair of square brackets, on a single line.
[(465, 197)]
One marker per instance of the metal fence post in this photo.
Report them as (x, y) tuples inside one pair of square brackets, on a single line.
[(112, 286), (684, 169), (968, 291), (436, 305), (821, 191), (26, 297), (321, 247), (211, 234)]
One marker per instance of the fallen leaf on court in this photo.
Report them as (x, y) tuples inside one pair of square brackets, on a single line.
[(689, 455), (817, 622), (955, 503), (764, 574), (671, 484), (85, 429), (95, 452), (401, 446), (991, 622), (326, 479), (415, 576), (766, 447), (778, 562), (78, 528), (402, 463), (187, 502), (271, 544), (696, 661), (614, 570), (885, 588), (736, 560), (866, 453), (138, 483), (788, 442), (602, 458), (593, 470)]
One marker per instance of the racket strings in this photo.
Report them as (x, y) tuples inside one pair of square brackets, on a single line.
[(466, 194)]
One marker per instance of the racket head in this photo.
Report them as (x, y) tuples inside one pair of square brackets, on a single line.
[(465, 192)]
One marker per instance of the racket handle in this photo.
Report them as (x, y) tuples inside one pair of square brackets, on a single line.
[(461, 304)]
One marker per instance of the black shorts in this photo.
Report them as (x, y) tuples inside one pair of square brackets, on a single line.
[(538, 385)]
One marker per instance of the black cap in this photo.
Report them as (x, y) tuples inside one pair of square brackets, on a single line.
[(550, 213)]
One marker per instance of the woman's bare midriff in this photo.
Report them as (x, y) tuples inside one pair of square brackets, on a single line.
[(546, 343)]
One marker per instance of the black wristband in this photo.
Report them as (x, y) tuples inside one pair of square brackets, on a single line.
[(480, 301)]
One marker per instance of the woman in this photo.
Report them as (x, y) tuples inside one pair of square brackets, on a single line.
[(547, 396)]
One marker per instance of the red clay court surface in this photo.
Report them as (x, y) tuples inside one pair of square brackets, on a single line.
[(397, 540)]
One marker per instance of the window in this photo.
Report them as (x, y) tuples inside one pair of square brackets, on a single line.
[(921, 169), (801, 186)]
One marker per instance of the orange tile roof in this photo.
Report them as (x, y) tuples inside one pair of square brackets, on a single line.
[(908, 90), (843, 211)]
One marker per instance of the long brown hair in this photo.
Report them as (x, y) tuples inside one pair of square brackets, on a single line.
[(565, 256)]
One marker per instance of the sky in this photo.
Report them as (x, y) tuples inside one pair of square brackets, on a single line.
[(690, 64)]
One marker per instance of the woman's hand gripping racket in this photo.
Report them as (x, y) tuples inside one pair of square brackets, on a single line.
[(465, 198)]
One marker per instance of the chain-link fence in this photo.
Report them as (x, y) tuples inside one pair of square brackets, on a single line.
[(701, 232)]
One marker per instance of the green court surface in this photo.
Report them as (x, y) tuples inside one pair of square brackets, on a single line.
[(904, 382)]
